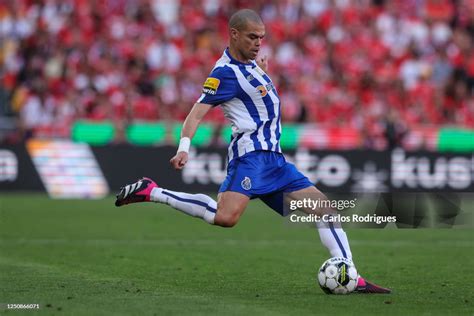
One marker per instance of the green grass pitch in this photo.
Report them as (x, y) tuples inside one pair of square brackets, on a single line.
[(90, 258)]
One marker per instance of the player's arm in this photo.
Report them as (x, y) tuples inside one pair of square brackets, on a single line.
[(218, 88), (190, 126)]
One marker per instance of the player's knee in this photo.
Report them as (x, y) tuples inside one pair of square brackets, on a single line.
[(227, 219), (226, 222)]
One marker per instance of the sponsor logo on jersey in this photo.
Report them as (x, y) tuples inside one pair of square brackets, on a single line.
[(211, 85), (269, 86)]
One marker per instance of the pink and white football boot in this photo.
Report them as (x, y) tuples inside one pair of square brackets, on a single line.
[(136, 192)]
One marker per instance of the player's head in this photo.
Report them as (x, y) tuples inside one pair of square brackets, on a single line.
[(246, 31)]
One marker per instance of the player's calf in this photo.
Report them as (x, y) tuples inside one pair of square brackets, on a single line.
[(146, 190)]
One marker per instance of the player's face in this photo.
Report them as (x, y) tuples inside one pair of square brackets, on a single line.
[(249, 40)]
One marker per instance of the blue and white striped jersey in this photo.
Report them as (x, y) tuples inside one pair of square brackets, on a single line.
[(250, 102)]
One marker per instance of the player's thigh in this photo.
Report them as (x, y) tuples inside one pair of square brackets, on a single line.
[(230, 206), (308, 193)]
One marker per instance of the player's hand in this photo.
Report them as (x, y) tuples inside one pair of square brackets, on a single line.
[(262, 62), (179, 160)]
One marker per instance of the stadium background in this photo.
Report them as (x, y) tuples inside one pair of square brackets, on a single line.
[(377, 98)]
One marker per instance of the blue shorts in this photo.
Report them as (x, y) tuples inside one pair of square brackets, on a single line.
[(265, 175)]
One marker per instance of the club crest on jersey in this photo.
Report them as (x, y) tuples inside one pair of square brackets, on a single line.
[(211, 85), (262, 90), (250, 78), (246, 184)]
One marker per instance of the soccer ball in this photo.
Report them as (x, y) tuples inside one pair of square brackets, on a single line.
[(338, 275)]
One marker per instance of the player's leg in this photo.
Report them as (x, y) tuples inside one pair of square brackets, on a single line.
[(288, 183), (230, 206), (332, 235), (224, 213), (146, 190)]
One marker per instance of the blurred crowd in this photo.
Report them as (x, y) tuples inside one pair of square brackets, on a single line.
[(381, 67)]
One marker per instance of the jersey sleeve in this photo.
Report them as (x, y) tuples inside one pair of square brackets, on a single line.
[(219, 87)]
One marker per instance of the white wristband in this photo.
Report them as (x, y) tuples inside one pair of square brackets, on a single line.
[(184, 144)]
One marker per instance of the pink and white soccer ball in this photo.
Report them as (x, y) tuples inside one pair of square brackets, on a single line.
[(338, 275)]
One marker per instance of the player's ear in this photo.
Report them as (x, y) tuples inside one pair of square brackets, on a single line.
[(234, 34)]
